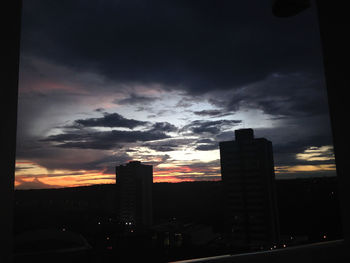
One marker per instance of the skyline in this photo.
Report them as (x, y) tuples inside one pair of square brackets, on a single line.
[(105, 83)]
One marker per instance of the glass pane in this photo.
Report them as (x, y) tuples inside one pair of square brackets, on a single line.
[(181, 129)]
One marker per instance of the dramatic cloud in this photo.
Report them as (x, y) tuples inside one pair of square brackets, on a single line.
[(206, 145), (211, 127), (135, 99), (105, 82), (109, 120), (163, 127), (198, 47), (102, 139), (280, 95)]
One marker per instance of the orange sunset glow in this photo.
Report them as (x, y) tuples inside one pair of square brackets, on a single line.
[(31, 174)]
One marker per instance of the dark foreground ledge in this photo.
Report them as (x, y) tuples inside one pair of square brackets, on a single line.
[(329, 251)]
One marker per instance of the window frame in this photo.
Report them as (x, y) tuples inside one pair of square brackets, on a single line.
[(332, 21)]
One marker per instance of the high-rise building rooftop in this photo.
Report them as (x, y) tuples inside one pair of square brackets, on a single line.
[(134, 194), (247, 170)]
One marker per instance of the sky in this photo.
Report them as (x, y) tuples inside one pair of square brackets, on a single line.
[(105, 82)]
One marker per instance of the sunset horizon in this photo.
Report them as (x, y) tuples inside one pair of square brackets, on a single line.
[(101, 84)]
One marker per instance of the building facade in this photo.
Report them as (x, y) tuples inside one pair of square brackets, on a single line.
[(247, 170), (134, 194)]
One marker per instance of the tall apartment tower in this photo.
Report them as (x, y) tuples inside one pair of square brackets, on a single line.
[(134, 194), (247, 170)]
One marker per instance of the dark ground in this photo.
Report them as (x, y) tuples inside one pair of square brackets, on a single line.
[(307, 207)]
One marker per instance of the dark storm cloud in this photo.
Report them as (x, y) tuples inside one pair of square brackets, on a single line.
[(206, 145), (282, 95), (109, 120), (185, 102), (163, 127), (135, 99), (293, 95), (102, 139), (205, 141), (52, 158), (197, 46), (211, 127), (163, 148), (236, 55)]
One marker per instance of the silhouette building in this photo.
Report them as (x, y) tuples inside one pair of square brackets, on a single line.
[(247, 170), (134, 194)]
